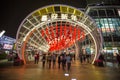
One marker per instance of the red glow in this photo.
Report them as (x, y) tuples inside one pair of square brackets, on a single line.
[(52, 32), (65, 36)]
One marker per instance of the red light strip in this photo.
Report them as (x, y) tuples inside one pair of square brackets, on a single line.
[(52, 32), (56, 30), (63, 36), (61, 30), (42, 33)]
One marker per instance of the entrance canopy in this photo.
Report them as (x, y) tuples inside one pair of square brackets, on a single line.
[(56, 27)]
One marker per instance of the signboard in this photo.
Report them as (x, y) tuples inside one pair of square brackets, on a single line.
[(62, 16), (7, 42), (7, 46)]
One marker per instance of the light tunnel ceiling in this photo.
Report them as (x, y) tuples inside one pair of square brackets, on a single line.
[(54, 27)]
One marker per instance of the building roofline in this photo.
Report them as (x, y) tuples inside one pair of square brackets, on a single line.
[(98, 7)]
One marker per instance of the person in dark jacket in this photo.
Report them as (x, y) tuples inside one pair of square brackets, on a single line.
[(101, 60), (43, 60), (59, 61), (118, 59)]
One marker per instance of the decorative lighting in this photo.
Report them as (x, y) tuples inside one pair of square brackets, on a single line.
[(66, 36)]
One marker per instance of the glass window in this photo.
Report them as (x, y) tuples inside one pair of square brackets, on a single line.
[(93, 13), (107, 26), (110, 13), (102, 13), (117, 26), (112, 26), (103, 27)]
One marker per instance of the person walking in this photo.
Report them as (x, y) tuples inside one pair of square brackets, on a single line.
[(35, 58), (49, 60), (81, 58), (101, 60), (118, 59), (59, 61), (16, 60), (54, 60), (68, 61), (63, 60), (43, 60)]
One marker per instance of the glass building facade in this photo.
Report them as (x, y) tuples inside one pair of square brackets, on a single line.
[(108, 20)]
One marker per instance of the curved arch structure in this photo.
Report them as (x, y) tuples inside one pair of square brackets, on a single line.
[(56, 27)]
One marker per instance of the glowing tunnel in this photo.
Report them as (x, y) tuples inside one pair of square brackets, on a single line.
[(62, 37), (56, 27)]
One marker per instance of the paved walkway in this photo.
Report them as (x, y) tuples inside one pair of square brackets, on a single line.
[(78, 72)]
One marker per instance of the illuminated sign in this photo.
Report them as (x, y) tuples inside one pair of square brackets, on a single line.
[(62, 16), (7, 39), (7, 42), (7, 46)]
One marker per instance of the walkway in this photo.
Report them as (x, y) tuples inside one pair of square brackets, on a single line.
[(78, 72)]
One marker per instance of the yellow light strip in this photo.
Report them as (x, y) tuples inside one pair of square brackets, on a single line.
[(53, 9)]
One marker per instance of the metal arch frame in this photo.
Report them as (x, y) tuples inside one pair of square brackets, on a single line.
[(43, 8), (35, 27), (78, 23)]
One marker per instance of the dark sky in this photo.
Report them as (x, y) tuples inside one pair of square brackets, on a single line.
[(14, 11)]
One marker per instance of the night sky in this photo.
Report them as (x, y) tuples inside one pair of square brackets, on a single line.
[(14, 11)]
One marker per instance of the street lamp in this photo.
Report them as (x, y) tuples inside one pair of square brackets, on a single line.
[(1, 33)]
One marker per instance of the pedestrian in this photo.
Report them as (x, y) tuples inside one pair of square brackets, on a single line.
[(88, 58), (101, 57), (101, 60), (49, 60), (16, 60), (118, 59), (43, 60), (63, 60), (81, 58), (54, 59), (84, 58), (59, 61), (74, 56), (68, 61), (35, 58)]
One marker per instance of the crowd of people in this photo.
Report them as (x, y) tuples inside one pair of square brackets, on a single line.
[(64, 60), (50, 60), (85, 58)]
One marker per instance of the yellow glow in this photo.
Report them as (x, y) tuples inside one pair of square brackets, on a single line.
[(50, 9), (43, 11), (70, 10)]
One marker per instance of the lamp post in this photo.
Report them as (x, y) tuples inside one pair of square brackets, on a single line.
[(1, 33)]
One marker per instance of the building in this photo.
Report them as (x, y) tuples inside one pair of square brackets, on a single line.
[(107, 17)]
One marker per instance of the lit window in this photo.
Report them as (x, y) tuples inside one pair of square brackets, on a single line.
[(119, 12)]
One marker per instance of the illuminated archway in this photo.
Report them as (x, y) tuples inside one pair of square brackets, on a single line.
[(56, 27)]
